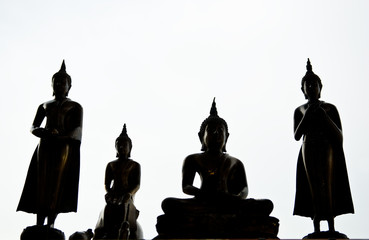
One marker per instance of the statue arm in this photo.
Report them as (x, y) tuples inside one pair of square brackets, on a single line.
[(36, 129), (243, 183), (188, 176), (244, 192), (134, 179), (299, 124), (238, 183), (108, 178), (333, 123), (76, 130), (76, 133)]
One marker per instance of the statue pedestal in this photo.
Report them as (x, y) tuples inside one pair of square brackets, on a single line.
[(216, 226), (326, 235), (42, 233)]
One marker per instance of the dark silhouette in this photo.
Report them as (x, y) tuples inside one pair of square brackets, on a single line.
[(219, 208), (122, 180), (85, 235), (322, 188), (51, 185)]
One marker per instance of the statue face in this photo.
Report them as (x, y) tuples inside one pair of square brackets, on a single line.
[(60, 86), (215, 136), (123, 148), (311, 89)]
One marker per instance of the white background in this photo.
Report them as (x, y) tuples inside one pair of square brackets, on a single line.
[(156, 66)]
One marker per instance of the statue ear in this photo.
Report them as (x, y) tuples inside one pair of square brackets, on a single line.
[(129, 153), (203, 147), (225, 143), (226, 139), (303, 91)]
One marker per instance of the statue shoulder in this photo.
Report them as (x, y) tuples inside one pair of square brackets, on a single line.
[(194, 156), (233, 160), (68, 101), (112, 163), (126, 164), (193, 159), (74, 104), (47, 104), (301, 109), (328, 106), (134, 164), (299, 112)]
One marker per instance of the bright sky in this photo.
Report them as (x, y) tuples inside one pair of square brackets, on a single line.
[(156, 66)]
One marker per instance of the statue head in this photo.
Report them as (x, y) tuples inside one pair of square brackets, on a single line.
[(310, 77), (213, 121), (61, 81), (123, 144)]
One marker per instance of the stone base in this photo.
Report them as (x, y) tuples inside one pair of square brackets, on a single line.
[(102, 233), (42, 233), (326, 235), (216, 226)]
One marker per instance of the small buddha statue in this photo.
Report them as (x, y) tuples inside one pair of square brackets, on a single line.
[(118, 220), (322, 186), (223, 189)]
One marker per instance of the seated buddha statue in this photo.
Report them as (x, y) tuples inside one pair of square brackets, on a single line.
[(122, 181), (223, 190)]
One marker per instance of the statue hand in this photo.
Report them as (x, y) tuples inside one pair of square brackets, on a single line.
[(201, 195), (126, 197), (320, 111), (211, 195), (54, 132), (123, 199), (45, 132), (309, 112), (108, 198), (314, 109), (39, 132), (117, 200), (226, 196)]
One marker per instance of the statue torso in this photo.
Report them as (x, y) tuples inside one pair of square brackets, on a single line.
[(121, 174), (317, 130), (217, 174), (62, 115)]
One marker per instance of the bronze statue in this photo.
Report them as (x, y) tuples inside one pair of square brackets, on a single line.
[(122, 180), (222, 194), (322, 188), (51, 185)]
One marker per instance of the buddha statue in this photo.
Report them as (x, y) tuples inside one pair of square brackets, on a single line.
[(51, 185), (221, 199), (322, 188), (118, 220)]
